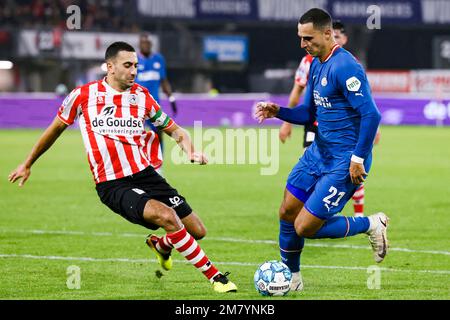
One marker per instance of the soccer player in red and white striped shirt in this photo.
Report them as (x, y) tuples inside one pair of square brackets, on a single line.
[(111, 114)]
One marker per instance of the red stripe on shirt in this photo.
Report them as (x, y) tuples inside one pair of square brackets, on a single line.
[(154, 151), (101, 88), (117, 166), (91, 136), (150, 103), (117, 100), (129, 153), (74, 109), (144, 160), (133, 107)]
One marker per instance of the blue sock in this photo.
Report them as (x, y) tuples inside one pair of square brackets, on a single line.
[(291, 246), (341, 227)]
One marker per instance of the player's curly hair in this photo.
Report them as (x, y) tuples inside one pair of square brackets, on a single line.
[(318, 17)]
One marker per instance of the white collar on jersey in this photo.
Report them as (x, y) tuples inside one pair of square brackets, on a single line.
[(109, 88)]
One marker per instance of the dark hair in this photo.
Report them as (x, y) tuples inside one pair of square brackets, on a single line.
[(318, 17), (337, 25), (145, 35), (115, 48)]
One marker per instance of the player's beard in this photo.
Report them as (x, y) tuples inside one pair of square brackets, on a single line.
[(127, 84), (311, 53)]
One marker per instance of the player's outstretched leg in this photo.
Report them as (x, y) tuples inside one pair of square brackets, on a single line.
[(158, 213), (375, 226), (185, 244), (358, 201), (162, 248), (310, 226)]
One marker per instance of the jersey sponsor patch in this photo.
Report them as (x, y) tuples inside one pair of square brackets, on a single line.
[(109, 110), (353, 84)]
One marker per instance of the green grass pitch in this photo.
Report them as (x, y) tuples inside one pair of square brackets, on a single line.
[(56, 221)]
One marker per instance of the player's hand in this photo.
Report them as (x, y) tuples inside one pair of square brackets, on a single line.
[(285, 131), (21, 171), (357, 173), (173, 105), (198, 157), (265, 110)]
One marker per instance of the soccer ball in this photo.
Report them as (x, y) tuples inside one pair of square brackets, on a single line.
[(273, 278)]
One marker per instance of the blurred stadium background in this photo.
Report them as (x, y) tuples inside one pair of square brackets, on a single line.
[(222, 56), (235, 46)]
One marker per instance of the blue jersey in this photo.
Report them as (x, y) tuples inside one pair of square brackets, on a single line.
[(151, 71), (338, 96)]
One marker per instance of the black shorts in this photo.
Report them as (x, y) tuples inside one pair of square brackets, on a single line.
[(309, 135), (127, 196)]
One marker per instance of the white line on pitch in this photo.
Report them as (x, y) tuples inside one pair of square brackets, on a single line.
[(246, 264), (310, 243)]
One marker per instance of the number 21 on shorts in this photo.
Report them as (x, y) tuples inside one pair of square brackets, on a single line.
[(327, 199)]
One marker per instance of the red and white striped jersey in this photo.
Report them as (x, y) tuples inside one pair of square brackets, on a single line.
[(301, 75), (112, 127)]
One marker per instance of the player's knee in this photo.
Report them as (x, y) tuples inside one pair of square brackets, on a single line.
[(168, 218), (194, 226), (287, 214), (163, 216), (197, 230), (304, 230), (282, 211), (200, 232)]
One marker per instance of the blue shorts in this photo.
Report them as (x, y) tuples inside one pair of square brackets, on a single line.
[(323, 184)]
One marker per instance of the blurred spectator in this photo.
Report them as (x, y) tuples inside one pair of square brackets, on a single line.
[(61, 90), (96, 15)]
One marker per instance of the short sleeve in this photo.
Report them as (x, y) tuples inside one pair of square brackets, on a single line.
[(69, 109), (352, 82), (156, 115)]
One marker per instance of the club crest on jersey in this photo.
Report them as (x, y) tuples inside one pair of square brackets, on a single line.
[(157, 65), (353, 84), (324, 82), (132, 99)]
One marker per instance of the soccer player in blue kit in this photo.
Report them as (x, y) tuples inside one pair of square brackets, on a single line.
[(338, 96), (152, 74)]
